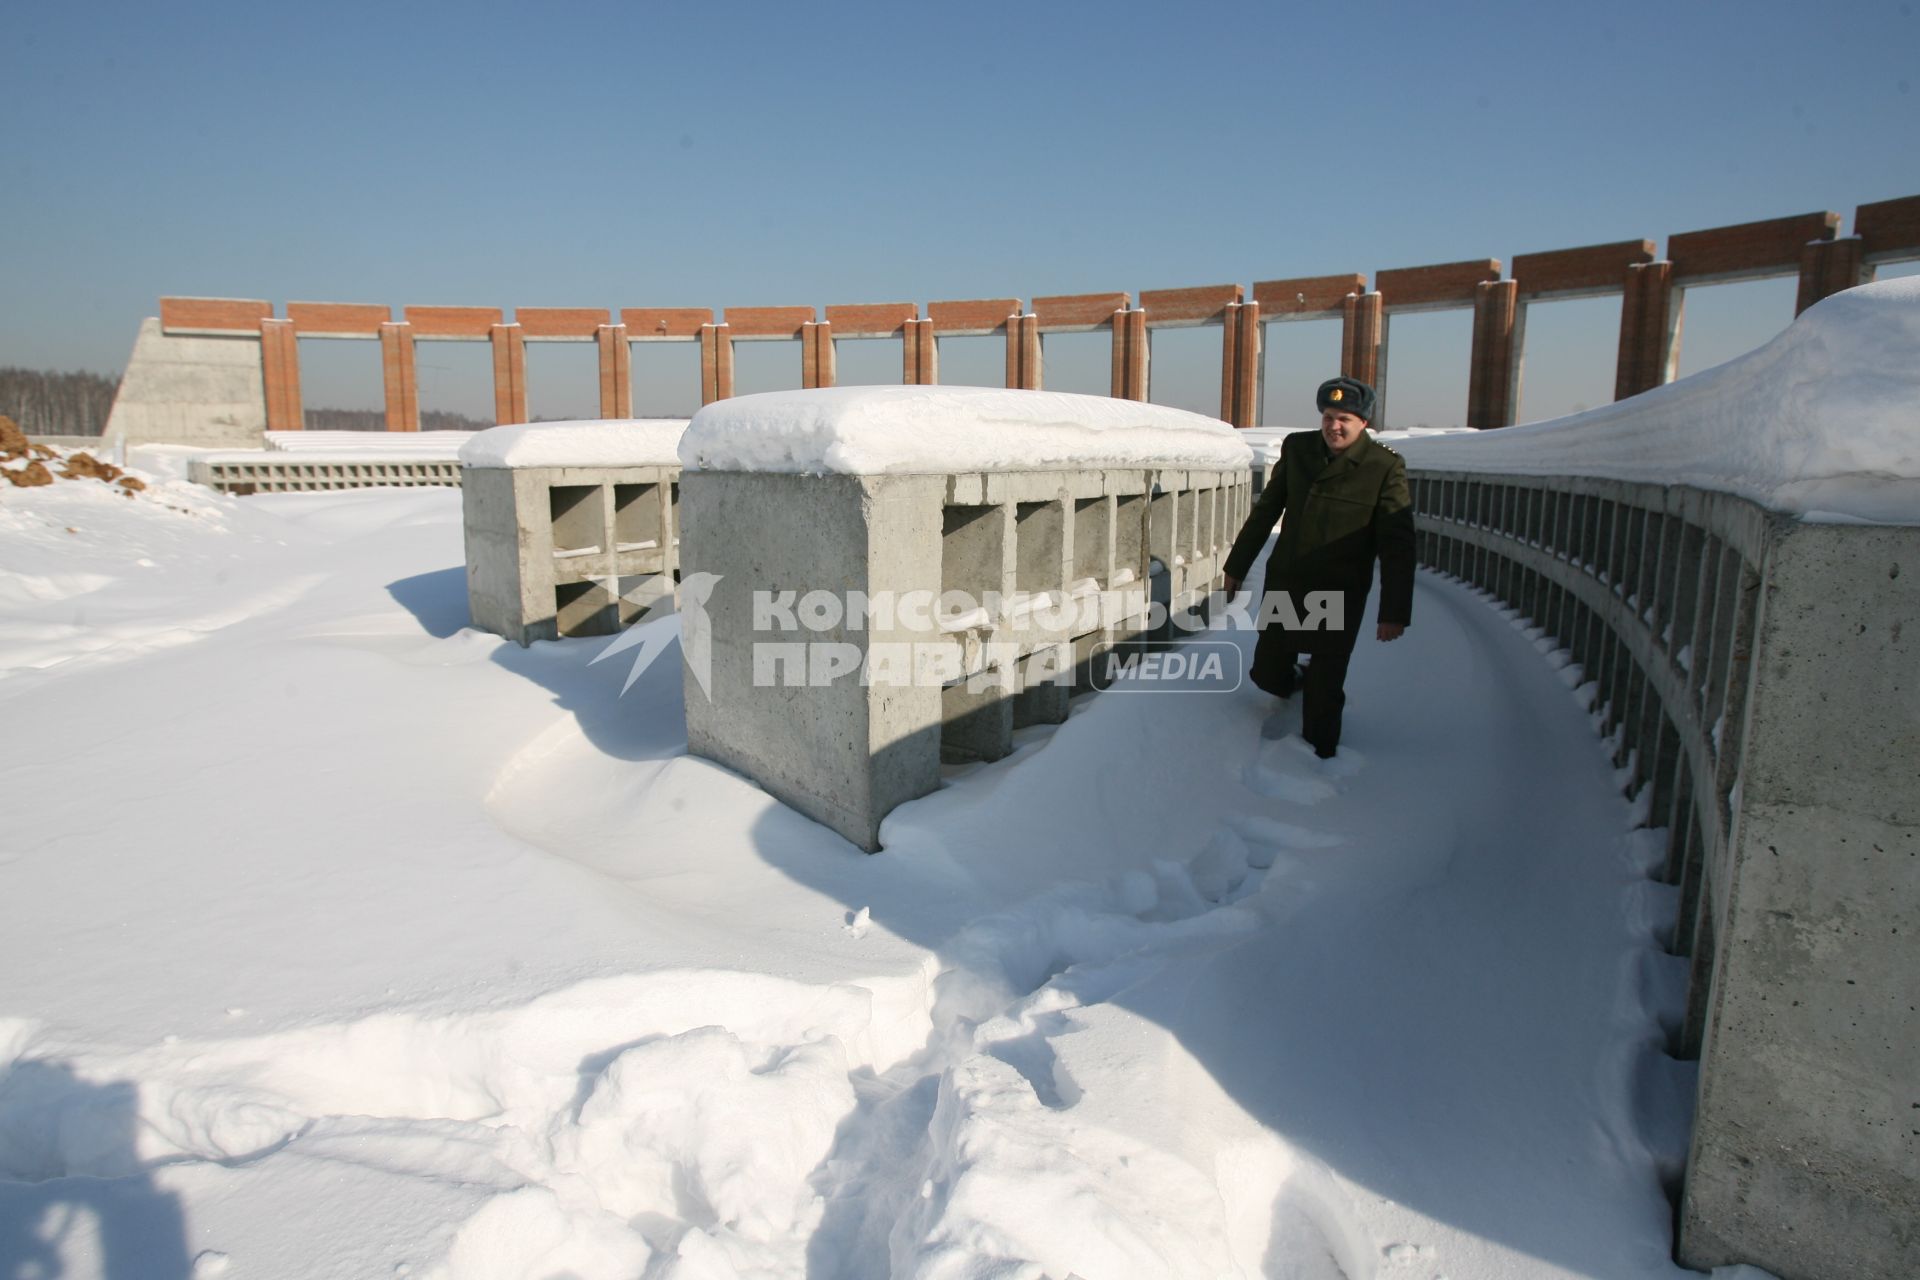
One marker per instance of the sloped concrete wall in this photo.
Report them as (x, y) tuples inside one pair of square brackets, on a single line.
[(190, 390)]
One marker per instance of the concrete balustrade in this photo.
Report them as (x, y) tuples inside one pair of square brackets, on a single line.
[(906, 575), (572, 529), (1757, 682)]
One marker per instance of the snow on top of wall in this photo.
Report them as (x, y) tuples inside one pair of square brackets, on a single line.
[(1822, 422), (611, 442), (919, 430)]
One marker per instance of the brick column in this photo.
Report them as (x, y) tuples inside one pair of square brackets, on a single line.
[(1492, 377), (509, 373), (616, 371), (817, 367), (1827, 267), (1240, 364), (1131, 355), (280, 374), (1646, 341), (1361, 329), (1023, 352), (716, 363), (920, 357), (397, 372)]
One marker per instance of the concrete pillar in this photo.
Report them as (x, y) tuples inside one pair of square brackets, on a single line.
[(1362, 318), (398, 375), (1647, 337), (1829, 266), (1493, 380), (816, 354), (1240, 365), (1804, 1159), (1023, 352), (616, 371), (1131, 355), (920, 354), (716, 363), (509, 373), (280, 369)]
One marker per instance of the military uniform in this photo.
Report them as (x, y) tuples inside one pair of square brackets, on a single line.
[(1341, 513)]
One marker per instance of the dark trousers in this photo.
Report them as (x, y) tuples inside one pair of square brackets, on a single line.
[(1325, 696)]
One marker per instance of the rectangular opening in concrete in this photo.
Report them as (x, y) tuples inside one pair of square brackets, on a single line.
[(1205, 524), (666, 379), (563, 381), (1129, 538), (1721, 321), (578, 521), (766, 364), (971, 554), (1568, 354), (455, 382), (582, 609), (1183, 370), (636, 517), (1430, 355), (1092, 522), (1039, 532), (866, 362), (1081, 363), (642, 595), (974, 361), (1296, 356), (342, 387), (673, 517), (1161, 544)]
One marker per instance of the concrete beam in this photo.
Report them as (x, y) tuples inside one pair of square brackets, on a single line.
[(191, 316), (1436, 288), (1748, 251), (471, 323), (1307, 297), (1889, 230), (1590, 271), (665, 324)]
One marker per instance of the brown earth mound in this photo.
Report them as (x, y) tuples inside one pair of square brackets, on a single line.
[(84, 466), (30, 476), (13, 441)]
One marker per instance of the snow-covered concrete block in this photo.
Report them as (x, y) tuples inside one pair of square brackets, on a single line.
[(571, 527), (905, 575)]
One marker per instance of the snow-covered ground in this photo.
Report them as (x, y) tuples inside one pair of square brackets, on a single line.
[(339, 939)]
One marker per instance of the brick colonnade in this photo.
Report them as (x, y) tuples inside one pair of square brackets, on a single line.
[(1652, 293)]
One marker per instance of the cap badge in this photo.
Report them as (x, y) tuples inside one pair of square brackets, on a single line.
[(1336, 394)]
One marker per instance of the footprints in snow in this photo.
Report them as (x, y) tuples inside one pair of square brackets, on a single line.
[(1287, 769)]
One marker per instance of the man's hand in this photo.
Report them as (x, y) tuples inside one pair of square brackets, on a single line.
[(1230, 584), (1389, 631)]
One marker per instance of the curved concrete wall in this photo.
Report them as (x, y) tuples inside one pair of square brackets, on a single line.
[(1758, 674)]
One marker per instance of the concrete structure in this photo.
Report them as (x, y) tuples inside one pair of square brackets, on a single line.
[(279, 471), (869, 621), (1759, 673), (247, 371), (190, 387), (572, 529)]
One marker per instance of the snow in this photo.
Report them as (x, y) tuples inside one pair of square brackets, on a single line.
[(613, 442), (342, 939), (916, 430), (1822, 422)]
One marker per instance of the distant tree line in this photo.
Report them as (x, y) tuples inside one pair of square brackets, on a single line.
[(57, 404), (376, 420)]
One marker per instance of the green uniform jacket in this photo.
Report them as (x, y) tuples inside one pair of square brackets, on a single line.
[(1341, 512)]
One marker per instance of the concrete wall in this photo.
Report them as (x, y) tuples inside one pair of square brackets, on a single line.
[(1759, 673), (194, 390)]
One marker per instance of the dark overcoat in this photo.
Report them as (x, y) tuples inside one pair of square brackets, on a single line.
[(1337, 515)]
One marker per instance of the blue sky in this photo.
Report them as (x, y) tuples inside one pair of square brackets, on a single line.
[(640, 154)]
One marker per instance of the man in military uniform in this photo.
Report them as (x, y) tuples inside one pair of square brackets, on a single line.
[(1344, 496)]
